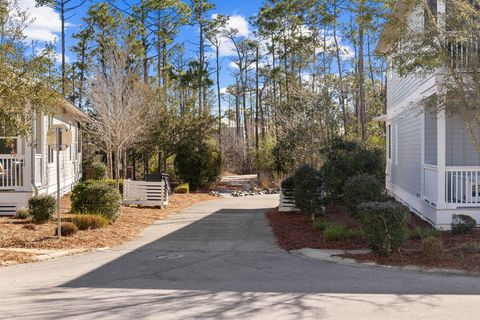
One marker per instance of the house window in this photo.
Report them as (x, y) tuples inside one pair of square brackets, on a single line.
[(389, 142), (51, 151)]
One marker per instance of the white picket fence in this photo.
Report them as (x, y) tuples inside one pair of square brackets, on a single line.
[(145, 193)]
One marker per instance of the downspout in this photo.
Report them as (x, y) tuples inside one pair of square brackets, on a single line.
[(33, 147)]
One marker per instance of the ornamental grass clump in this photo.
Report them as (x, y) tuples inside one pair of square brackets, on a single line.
[(385, 225), (89, 221), (67, 229)]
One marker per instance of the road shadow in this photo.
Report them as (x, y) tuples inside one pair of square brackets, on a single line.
[(233, 250)]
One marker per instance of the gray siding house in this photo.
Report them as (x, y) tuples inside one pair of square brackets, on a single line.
[(432, 164)]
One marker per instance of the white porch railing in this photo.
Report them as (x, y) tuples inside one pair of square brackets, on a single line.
[(13, 172), (462, 186), (430, 190)]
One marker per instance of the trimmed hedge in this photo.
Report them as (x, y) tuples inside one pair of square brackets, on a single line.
[(363, 188), (462, 224), (96, 197), (42, 208), (385, 225), (288, 185), (308, 190)]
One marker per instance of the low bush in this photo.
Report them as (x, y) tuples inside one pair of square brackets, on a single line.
[(183, 188), (319, 224), (67, 229), (421, 233), (363, 188), (356, 234), (385, 225), (462, 224), (432, 248), (42, 208), (23, 213), (336, 232), (308, 190), (96, 198), (472, 247), (89, 221), (98, 171)]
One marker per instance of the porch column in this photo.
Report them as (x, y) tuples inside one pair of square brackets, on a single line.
[(441, 158)]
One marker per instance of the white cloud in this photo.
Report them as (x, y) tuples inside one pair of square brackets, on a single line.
[(236, 22), (58, 58), (233, 65), (223, 90), (46, 22)]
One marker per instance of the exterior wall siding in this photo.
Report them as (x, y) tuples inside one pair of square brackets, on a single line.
[(406, 166), (460, 150), (431, 138)]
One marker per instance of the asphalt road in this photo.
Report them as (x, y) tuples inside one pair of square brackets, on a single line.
[(219, 260)]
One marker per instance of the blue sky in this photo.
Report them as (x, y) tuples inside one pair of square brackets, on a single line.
[(46, 26)]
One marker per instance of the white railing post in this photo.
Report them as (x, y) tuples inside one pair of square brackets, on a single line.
[(441, 159)]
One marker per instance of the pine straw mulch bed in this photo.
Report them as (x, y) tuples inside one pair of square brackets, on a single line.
[(294, 231), (16, 233)]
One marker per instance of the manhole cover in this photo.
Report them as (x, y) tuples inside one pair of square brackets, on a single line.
[(170, 256)]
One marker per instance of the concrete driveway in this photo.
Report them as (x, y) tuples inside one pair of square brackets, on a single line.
[(219, 260)]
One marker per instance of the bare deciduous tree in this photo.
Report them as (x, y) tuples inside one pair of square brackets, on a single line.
[(120, 101)]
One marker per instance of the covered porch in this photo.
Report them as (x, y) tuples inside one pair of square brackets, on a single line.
[(450, 162), (16, 170)]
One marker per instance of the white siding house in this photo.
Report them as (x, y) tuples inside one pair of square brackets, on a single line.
[(432, 165), (29, 164)]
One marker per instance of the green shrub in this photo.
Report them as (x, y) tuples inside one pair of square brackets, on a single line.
[(363, 188), (96, 198), (336, 232), (432, 248), (385, 225), (288, 185), (356, 234), (184, 188), (308, 190), (345, 159), (98, 171), (113, 183), (23, 213), (197, 163), (42, 208), (421, 233), (319, 224), (89, 221), (67, 229), (462, 224)]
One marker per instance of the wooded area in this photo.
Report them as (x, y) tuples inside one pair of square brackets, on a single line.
[(304, 74)]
